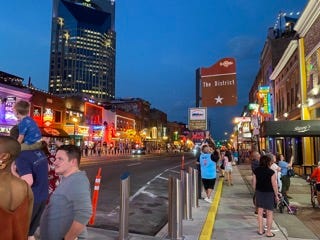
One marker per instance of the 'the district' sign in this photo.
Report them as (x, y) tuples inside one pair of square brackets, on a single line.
[(219, 84)]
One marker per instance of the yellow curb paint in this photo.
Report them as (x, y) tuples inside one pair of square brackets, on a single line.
[(207, 228)]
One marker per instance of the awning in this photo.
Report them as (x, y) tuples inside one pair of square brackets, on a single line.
[(294, 128), (53, 132)]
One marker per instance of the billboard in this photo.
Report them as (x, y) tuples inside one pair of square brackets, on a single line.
[(197, 118), (219, 84)]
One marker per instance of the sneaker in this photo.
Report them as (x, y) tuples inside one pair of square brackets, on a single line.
[(208, 200)]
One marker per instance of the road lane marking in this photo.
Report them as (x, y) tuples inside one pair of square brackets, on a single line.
[(133, 164), (163, 178)]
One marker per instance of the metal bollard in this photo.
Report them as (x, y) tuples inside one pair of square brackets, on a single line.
[(124, 207), (195, 188), (187, 198), (183, 189), (175, 209)]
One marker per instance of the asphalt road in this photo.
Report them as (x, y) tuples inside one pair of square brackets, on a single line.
[(149, 174)]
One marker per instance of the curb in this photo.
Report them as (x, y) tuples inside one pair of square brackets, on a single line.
[(207, 228)]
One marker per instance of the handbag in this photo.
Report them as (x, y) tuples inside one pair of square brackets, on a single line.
[(290, 172)]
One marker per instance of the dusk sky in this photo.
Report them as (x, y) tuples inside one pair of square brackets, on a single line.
[(160, 44)]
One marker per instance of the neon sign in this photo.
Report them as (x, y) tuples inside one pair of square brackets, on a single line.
[(47, 117), (87, 3)]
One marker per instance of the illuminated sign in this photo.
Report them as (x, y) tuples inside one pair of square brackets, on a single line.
[(242, 119), (47, 117), (197, 113), (9, 114), (253, 106), (197, 118), (36, 115), (87, 3), (264, 99)]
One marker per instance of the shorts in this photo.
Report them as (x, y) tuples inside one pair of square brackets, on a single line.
[(318, 187), (208, 183), (37, 210), (285, 184), (228, 169), (264, 200)]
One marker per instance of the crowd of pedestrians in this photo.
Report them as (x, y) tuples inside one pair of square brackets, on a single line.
[(213, 161), (28, 173), (271, 182)]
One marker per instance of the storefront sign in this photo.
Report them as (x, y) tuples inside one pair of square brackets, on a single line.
[(36, 115), (47, 117), (294, 128)]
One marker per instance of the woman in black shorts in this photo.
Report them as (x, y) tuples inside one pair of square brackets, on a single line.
[(266, 190)]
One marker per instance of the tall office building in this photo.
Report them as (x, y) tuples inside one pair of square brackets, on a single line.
[(83, 47)]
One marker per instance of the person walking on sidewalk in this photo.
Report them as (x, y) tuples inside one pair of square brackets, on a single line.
[(316, 175), (228, 167), (69, 208), (208, 165), (266, 191)]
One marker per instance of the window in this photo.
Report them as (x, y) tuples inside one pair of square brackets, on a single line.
[(57, 116)]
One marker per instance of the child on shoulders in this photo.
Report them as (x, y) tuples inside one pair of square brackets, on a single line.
[(29, 132)]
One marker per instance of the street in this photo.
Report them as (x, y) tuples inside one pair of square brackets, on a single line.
[(148, 188), (149, 192)]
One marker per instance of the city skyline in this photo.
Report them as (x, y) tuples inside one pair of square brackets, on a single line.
[(160, 44)]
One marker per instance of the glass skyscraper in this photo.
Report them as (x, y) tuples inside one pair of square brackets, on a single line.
[(83, 47)]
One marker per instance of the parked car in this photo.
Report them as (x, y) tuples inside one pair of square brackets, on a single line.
[(138, 151)]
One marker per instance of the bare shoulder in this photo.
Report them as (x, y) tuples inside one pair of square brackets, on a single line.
[(13, 191)]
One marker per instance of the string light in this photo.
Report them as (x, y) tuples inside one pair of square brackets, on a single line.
[(283, 14)]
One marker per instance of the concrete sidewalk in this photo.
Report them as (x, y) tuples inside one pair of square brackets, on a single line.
[(236, 218), (191, 228), (232, 216)]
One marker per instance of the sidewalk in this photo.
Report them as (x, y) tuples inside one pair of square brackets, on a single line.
[(236, 218), (232, 215)]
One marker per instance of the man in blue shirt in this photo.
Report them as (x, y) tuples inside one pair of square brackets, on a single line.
[(32, 166), (208, 166), (285, 179)]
